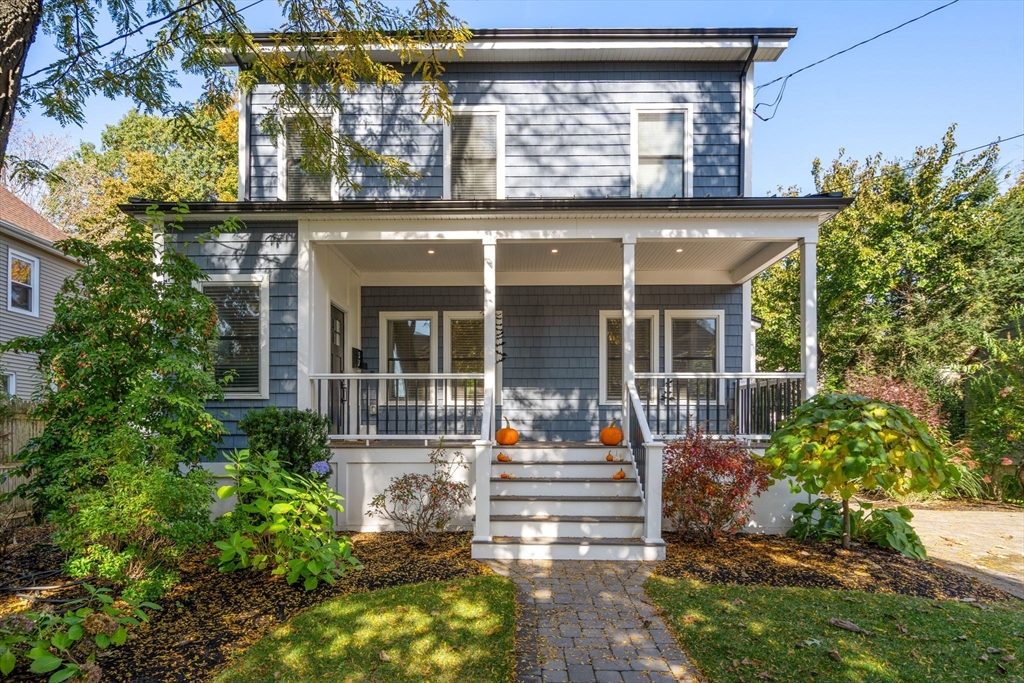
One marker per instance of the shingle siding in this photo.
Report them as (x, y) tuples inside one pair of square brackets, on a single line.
[(566, 129), (270, 248), (551, 370)]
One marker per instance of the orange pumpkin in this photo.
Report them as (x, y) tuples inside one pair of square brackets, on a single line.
[(621, 474), (503, 458), (610, 457), (504, 475), (611, 435), (507, 436)]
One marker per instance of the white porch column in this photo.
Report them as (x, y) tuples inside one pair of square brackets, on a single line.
[(652, 494), (628, 322), (809, 316), (482, 527), (304, 320)]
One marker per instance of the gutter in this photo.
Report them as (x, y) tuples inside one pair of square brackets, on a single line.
[(743, 111), (35, 240)]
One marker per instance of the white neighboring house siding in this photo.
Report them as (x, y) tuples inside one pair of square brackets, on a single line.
[(53, 270)]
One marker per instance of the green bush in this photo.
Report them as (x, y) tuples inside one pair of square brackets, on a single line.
[(299, 437), (822, 520), (283, 521)]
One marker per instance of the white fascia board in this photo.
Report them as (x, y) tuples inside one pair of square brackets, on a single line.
[(525, 279)]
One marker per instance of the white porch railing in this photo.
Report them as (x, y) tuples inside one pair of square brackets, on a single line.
[(647, 454), (394, 406), (745, 404)]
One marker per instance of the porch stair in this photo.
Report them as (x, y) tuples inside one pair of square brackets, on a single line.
[(560, 502)]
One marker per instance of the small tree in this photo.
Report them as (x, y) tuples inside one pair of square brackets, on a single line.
[(843, 443), (709, 484)]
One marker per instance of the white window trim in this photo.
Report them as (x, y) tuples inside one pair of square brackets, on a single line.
[(382, 334), (263, 281), (651, 315), (499, 110), (12, 383), (282, 151), (719, 314), (21, 256), (634, 142), (449, 316)]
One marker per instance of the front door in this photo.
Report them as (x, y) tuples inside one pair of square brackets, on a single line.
[(336, 397)]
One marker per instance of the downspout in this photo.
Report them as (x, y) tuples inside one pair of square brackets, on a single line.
[(743, 109)]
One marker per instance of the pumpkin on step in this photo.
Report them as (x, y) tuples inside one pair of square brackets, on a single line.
[(610, 457), (503, 458), (507, 436), (611, 435), (621, 474)]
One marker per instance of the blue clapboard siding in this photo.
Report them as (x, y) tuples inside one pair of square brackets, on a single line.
[(566, 127), (270, 248), (551, 370)]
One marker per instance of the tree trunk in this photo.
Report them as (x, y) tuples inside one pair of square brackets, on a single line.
[(18, 22), (846, 524)]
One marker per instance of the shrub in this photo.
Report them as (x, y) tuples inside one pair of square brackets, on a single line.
[(841, 443), (298, 436), (283, 521), (425, 504), (66, 643), (822, 520), (868, 381), (709, 484)]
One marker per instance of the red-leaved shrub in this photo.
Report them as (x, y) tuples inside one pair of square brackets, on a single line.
[(869, 382), (709, 484)]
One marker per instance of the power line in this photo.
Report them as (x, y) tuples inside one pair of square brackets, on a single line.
[(852, 47), (998, 141)]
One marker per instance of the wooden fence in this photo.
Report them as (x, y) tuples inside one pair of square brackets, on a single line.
[(18, 431)]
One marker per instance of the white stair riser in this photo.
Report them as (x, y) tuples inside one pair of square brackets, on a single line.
[(526, 487), (608, 507), (559, 454), (547, 529), (598, 470), (513, 551)]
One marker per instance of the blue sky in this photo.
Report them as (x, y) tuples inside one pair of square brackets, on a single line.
[(963, 65)]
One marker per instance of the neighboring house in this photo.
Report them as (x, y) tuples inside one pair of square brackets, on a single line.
[(580, 248), (31, 274)]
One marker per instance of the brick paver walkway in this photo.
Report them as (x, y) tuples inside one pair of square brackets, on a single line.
[(590, 622)]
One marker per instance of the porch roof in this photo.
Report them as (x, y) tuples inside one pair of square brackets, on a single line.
[(821, 206)]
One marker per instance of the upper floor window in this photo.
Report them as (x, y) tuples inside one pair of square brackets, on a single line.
[(242, 351), (22, 283), (645, 349), (474, 154), (294, 182), (661, 152)]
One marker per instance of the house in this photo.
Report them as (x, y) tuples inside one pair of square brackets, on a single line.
[(32, 272), (579, 249)]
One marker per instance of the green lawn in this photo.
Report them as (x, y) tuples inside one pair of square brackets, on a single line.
[(457, 631), (742, 633)]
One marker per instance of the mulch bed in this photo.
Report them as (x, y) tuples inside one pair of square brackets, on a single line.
[(210, 615), (763, 560)]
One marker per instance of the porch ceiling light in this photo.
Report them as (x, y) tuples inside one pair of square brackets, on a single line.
[(430, 251), (679, 250), (554, 251)]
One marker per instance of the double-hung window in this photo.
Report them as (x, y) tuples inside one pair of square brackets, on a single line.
[(408, 346), (464, 353), (296, 183), (241, 355), (645, 347), (474, 151), (695, 343), (8, 383), (22, 283), (661, 152)]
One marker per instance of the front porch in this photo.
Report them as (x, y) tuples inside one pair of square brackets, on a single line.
[(441, 330)]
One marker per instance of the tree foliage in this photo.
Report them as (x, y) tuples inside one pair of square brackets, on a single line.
[(341, 42), (898, 271), (142, 156)]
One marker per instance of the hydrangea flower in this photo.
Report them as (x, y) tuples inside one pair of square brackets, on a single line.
[(321, 468)]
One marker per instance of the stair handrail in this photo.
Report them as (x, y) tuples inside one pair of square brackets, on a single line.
[(638, 410)]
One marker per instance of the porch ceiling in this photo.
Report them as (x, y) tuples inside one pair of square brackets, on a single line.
[(572, 256)]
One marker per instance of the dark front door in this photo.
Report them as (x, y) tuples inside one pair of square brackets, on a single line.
[(336, 399)]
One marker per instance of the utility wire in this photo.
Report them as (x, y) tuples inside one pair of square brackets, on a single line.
[(863, 42), (972, 149)]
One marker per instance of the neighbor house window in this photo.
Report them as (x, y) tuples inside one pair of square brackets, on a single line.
[(408, 347), (645, 351), (8, 385), (694, 342), (662, 152), (295, 182), (241, 355), (474, 144), (22, 283), (464, 344)]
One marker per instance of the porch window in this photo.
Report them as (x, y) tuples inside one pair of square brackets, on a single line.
[(662, 152), (695, 343), (475, 154), (464, 344), (241, 353), (645, 349), (409, 345), (300, 184), (22, 283)]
